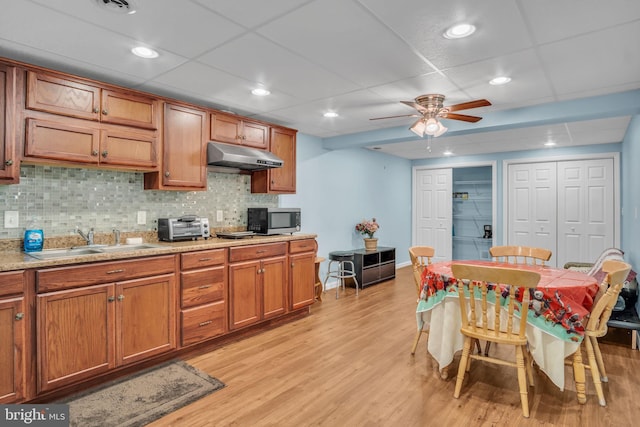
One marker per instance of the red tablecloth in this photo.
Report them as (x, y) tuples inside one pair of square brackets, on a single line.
[(562, 297)]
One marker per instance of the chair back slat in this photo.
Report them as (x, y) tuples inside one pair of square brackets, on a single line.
[(617, 272), (520, 254), (420, 257), (477, 279)]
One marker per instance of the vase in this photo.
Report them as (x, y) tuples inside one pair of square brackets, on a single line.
[(370, 244)]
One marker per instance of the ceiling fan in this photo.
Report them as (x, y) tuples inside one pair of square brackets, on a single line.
[(431, 108)]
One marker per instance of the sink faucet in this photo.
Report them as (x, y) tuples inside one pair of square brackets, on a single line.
[(88, 237), (116, 236)]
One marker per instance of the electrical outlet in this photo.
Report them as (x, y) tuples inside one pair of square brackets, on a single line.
[(142, 217), (219, 216), (11, 219)]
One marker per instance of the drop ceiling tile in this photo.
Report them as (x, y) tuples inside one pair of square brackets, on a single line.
[(551, 20), (187, 28), (612, 55), (251, 13), (500, 28), (408, 89), (344, 38), (259, 60)]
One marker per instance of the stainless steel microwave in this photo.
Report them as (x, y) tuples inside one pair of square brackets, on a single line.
[(273, 220)]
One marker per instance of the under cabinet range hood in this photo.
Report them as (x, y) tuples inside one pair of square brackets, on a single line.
[(240, 157)]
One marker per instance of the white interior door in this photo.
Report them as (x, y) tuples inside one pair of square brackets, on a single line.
[(532, 189), (585, 209), (433, 211)]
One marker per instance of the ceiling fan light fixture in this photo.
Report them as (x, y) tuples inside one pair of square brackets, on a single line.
[(459, 31), (502, 80), (431, 126), (441, 130), (418, 128)]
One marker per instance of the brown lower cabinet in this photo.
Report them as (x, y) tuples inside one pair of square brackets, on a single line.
[(13, 332), (302, 260), (258, 277), (90, 330)]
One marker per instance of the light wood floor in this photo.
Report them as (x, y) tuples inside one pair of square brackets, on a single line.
[(349, 364)]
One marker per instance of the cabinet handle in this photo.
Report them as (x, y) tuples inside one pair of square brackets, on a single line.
[(111, 298), (261, 251), (120, 270), (94, 152), (105, 112), (204, 259), (205, 323), (293, 264), (19, 316), (120, 297), (105, 153), (167, 174), (8, 162), (96, 110), (273, 182), (204, 287)]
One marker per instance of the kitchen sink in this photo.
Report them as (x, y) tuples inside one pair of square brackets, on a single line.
[(92, 250)]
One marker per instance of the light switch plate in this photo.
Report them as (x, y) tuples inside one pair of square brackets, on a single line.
[(11, 219), (219, 216), (142, 217)]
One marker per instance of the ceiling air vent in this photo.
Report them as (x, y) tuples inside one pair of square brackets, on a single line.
[(118, 6)]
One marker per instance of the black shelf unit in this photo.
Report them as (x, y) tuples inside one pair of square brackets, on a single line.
[(374, 266)]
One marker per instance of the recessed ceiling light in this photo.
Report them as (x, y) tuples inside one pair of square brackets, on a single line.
[(448, 153), (259, 91), (144, 52), (502, 80), (330, 114), (459, 31), (549, 144)]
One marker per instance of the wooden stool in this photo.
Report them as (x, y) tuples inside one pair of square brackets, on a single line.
[(318, 286)]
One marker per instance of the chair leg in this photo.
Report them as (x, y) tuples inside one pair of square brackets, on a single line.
[(415, 341), (596, 348), (595, 373), (528, 365), (522, 380), (466, 349), (487, 346)]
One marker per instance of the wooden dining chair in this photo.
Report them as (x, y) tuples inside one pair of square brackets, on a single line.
[(520, 254), (616, 273), (420, 257), (484, 320)]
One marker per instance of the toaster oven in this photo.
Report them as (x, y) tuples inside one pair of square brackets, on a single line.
[(188, 227)]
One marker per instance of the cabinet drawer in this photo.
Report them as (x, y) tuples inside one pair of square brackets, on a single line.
[(11, 283), (308, 245), (103, 272), (203, 286), (203, 258), (199, 324), (387, 271), (257, 251)]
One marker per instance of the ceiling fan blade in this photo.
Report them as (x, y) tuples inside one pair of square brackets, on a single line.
[(415, 105), (394, 117), (468, 105), (462, 117)]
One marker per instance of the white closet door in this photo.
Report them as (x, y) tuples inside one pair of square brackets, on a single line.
[(532, 206), (433, 211), (585, 209)]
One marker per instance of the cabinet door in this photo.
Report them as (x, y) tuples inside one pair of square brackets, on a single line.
[(226, 128), (75, 335), (255, 135), (244, 293), (12, 350), (9, 170), (146, 317), (302, 280), (274, 286), (278, 180), (59, 95), (128, 109), (62, 141), (184, 147), (127, 148)]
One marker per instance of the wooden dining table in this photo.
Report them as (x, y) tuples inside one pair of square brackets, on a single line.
[(558, 311)]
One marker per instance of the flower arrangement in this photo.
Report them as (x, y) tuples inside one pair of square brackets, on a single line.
[(367, 227)]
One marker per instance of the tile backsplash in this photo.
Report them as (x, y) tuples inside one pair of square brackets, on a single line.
[(59, 199)]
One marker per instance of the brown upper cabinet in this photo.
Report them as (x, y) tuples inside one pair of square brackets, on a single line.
[(9, 170), (278, 180), (237, 130), (60, 95)]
